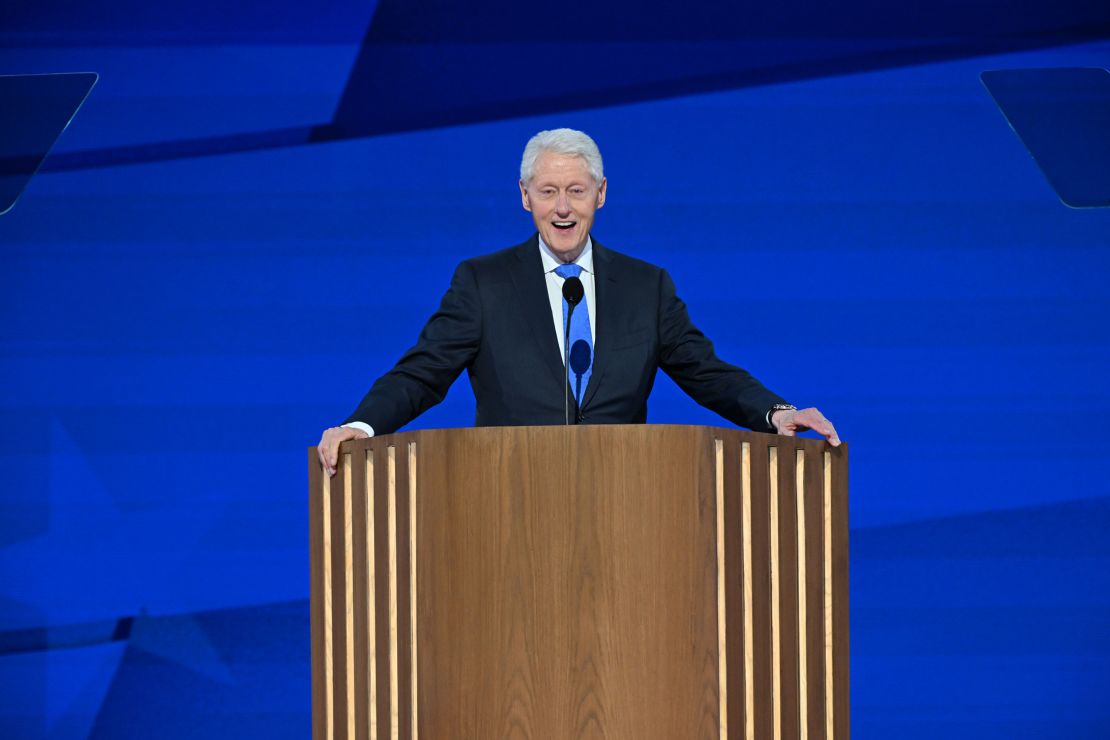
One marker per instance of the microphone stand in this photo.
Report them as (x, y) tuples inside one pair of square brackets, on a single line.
[(566, 365), (572, 294)]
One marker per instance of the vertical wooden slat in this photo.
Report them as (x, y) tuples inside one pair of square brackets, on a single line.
[(787, 574), (762, 603), (413, 664), (317, 559), (368, 600), (737, 485), (827, 519), (839, 493), (329, 616), (776, 604), (815, 590), (800, 536), (722, 611), (749, 624), (338, 590), (382, 576), (394, 636), (404, 605), (349, 595)]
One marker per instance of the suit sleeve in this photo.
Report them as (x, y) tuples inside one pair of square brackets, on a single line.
[(422, 377), (687, 356)]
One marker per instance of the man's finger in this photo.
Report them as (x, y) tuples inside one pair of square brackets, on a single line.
[(828, 431), (333, 453), (815, 420), (322, 450), (328, 450)]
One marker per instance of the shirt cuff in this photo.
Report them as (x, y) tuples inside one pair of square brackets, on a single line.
[(361, 427)]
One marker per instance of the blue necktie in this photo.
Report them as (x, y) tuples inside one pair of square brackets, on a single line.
[(580, 347)]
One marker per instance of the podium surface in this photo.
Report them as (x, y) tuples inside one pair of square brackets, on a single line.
[(587, 581)]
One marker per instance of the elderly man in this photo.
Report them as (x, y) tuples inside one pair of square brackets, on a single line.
[(506, 316)]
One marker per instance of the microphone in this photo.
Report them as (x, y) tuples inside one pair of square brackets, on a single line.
[(572, 294), (579, 363)]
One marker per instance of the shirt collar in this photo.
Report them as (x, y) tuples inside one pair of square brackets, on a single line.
[(585, 260)]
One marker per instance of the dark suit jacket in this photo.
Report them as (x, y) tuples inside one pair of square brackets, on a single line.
[(495, 321)]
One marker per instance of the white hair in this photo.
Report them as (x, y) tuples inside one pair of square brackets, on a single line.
[(561, 141)]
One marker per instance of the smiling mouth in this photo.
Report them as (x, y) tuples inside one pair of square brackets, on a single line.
[(564, 225)]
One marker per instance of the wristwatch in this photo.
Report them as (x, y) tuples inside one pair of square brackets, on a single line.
[(779, 407)]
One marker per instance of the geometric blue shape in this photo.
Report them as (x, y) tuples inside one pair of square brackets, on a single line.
[(34, 110), (78, 681), (55, 693), (1062, 116), (260, 688), (180, 639)]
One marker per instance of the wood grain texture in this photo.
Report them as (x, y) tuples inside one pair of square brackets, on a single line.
[(594, 619), (587, 582)]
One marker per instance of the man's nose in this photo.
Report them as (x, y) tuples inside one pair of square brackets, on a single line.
[(562, 204)]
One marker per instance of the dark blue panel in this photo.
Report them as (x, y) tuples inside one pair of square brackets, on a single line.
[(36, 109), (505, 21), (434, 62), (132, 22), (1062, 116)]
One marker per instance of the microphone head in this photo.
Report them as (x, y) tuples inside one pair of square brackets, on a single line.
[(573, 291), (580, 356)]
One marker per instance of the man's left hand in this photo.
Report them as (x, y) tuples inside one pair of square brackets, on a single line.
[(789, 423)]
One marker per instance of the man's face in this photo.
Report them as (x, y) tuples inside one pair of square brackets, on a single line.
[(562, 198)]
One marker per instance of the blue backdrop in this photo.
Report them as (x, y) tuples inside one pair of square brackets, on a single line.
[(258, 208)]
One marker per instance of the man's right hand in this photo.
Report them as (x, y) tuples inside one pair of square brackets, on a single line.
[(328, 449)]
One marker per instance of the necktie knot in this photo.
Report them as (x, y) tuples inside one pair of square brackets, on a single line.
[(568, 271)]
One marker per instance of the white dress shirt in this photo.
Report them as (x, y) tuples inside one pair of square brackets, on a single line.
[(555, 290)]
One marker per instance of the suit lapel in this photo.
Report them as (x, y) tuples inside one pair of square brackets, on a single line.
[(528, 278)]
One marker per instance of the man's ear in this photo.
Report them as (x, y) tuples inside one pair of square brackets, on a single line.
[(601, 192), (524, 197)]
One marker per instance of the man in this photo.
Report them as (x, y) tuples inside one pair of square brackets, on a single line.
[(505, 317)]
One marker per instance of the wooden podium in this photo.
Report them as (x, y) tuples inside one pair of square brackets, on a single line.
[(630, 582)]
